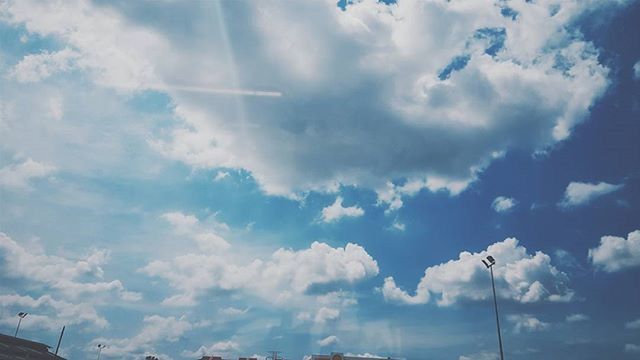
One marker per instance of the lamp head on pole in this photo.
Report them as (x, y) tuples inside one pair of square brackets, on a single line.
[(489, 261), (22, 315)]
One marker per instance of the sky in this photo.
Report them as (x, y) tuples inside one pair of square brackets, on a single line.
[(232, 177)]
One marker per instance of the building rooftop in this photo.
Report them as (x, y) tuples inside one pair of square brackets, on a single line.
[(13, 348)]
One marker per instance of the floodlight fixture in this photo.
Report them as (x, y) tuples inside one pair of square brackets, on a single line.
[(21, 315), (100, 347)]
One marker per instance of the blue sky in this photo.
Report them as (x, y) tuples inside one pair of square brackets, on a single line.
[(189, 178)]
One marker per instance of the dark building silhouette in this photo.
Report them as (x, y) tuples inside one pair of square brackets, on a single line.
[(13, 348)]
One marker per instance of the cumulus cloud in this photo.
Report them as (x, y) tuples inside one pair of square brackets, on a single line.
[(329, 341), (206, 236), (528, 323), (503, 204), (391, 194), (40, 66), (60, 273), (17, 176), (578, 193), (616, 253), (336, 211), (636, 70), (519, 276), (221, 347), (325, 314), (156, 329), (577, 317), (48, 313), (287, 272), (514, 85)]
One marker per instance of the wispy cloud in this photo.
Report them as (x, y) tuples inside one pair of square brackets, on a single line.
[(578, 193)]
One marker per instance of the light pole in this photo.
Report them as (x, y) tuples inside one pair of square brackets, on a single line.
[(21, 315), (489, 262), (100, 347)]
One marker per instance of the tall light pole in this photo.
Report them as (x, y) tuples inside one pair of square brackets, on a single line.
[(100, 347), (489, 262), (21, 315)]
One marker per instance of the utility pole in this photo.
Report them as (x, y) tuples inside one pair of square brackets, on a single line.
[(59, 341), (490, 261)]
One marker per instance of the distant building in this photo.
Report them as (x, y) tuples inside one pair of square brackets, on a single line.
[(13, 348)]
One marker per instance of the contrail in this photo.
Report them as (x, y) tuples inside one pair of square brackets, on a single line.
[(220, 91), (199, 89)]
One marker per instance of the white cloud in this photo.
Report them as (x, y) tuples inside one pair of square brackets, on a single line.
[(98, 40), (366, 355), (480, 356), (181, 221), (398, 225), (511, 93), (206, 239), (503, 204), (336, 211), (60, 273), (519, 277), (231, 311), (48, 313), (156, 329), (391, 194), (17, 176), (329, 341), (221, 175), (56, 110), (325, 314), (527, 323), (636, 70), (616, 253), (41, 66), (221, 347), (578, 193), (632, 348), (635, 324), (577, 317), (286, 272)]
